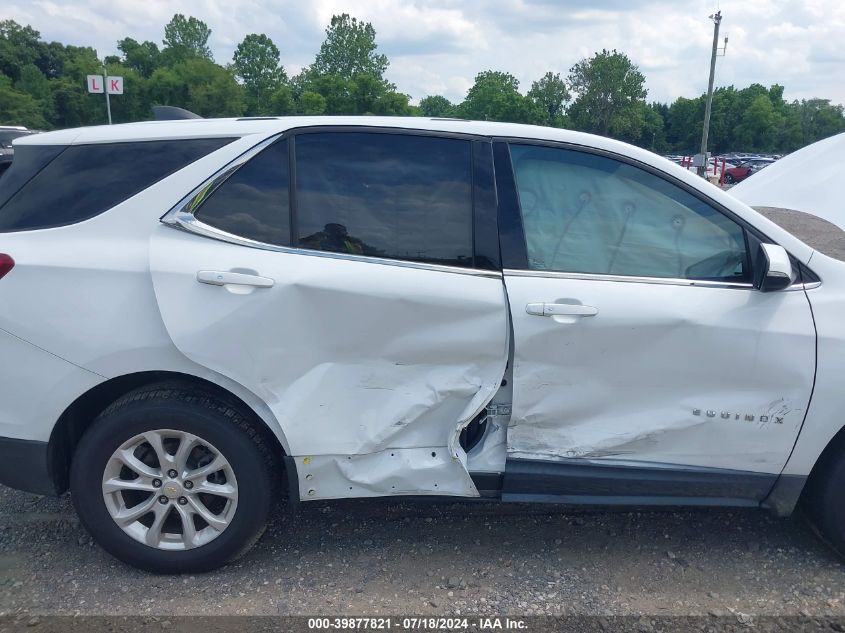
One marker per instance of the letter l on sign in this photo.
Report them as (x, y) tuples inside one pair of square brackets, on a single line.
[(95, 83)]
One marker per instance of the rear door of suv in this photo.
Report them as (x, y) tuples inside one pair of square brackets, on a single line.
[(350, 279)]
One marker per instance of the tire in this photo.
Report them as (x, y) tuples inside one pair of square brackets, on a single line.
[(173, 536), (823, 501), (729, 179)]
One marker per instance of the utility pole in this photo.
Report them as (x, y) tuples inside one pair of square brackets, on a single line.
[(717, 20)]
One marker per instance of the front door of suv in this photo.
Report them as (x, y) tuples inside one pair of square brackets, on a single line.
[(339, 276), (640, 340)]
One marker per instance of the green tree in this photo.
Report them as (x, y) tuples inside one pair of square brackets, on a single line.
[(200, 86), (757, 130), (495, 97), (134, 104), (394, 103), (349, 49), (256, 62), (33, 82), (336, 91), (186, 37), (143, 57), (551, 95), (348, 74), (51, 59), (652, 135), (19, 46), (817, 119), (436, 106), (683, 124), (311, 103), (281, 101), (72, 105), (19, 108), (610, 90)]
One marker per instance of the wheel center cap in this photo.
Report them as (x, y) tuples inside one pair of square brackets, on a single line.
[(172, 490)]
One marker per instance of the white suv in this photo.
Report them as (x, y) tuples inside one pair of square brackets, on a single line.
[(192, 312)]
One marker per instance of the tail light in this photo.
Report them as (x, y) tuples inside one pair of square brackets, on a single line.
[(6, 264)]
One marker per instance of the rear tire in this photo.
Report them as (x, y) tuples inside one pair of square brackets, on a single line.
[(129, 462), (729, 179)]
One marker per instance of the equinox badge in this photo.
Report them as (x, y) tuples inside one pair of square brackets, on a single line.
[(747, 417)]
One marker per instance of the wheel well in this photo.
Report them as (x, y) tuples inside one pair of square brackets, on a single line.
[(73, 423), (833, 449)]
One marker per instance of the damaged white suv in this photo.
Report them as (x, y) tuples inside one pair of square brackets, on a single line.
[(192, 312)]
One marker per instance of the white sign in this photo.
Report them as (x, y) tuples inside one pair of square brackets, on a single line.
[(95, 83), (114, 85)]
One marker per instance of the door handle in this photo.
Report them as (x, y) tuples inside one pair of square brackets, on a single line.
[(560, 309), (223, 278)]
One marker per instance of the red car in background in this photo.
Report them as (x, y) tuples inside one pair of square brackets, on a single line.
[(744, 170)]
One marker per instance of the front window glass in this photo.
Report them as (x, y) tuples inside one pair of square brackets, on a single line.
[(584, 213)]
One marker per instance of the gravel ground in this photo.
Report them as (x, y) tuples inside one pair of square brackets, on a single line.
[(388, 557), (825, 237)]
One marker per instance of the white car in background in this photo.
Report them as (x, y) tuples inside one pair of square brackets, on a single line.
[(192, 312), (9, 133)]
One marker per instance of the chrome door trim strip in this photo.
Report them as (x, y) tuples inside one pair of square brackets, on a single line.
[(626, 279), (187, 222), (550, 274)]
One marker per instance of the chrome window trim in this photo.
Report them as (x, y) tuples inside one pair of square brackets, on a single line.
[(191, 202), (187, 222), (181, 216), (666, 281)]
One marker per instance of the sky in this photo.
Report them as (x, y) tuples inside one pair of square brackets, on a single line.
[(438, 46)]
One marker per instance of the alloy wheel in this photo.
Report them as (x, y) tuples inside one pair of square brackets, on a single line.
[(170, 490)]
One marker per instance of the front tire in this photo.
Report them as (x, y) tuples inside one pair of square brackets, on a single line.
[(172, 481), (729, 179), (823, 500)]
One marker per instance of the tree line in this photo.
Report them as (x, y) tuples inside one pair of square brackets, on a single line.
[(42, 86)]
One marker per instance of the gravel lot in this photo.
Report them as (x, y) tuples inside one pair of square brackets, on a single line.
[(384, 557), (388, 557)]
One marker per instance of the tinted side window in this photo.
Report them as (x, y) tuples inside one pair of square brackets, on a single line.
[(385, 195), (253, 202), (28, 160), (86, 180), (591, 214)]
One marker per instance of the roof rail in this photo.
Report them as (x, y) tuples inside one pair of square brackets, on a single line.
[(172, 113)]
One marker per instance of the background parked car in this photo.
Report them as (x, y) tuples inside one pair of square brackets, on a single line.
[(744, 170), (7, 134)]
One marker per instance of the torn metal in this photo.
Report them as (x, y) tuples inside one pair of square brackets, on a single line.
[(360, 361)]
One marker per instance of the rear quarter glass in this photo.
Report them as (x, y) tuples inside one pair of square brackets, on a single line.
[(52, 186)]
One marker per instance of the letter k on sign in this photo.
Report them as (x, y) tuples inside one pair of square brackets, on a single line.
[(114, 85)]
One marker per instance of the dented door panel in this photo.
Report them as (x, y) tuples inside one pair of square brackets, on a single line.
[(662, 373), (353, 357)]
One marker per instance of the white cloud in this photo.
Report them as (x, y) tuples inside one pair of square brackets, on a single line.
[(438, 46)]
